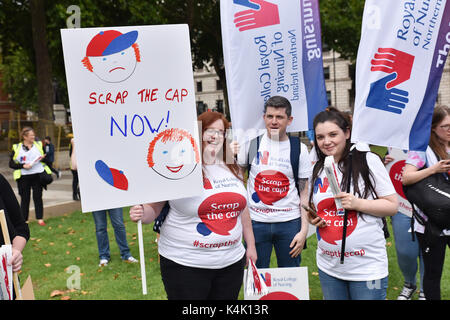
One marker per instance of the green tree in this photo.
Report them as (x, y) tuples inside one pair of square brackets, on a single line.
[(203, 19), (341, 25), (30, 43)]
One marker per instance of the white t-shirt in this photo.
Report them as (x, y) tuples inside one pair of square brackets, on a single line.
[(206, 231), (272, 195), (30, 156), (365, 248)]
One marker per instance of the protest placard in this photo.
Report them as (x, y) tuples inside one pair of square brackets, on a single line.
[(283, 284), (133, 111), (395, 169), (6, 274)]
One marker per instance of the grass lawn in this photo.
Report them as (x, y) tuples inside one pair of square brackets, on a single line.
[(65, 250)]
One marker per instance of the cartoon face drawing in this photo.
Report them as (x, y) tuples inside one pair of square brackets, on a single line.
[(112, 56), (173, 154)]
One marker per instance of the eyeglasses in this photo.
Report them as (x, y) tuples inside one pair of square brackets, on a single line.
[(445, 127), (212, 132)]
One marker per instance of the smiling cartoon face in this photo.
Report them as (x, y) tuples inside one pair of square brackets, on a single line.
[(173, 154), (115, 67)]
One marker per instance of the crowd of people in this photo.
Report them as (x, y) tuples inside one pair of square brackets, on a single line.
[(276, 189)]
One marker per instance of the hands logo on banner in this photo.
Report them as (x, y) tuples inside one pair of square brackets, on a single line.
[(261, 13), (383, 95)]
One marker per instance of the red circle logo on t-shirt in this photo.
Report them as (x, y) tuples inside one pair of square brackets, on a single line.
[(326, 209), (219, 213), (271, 186)]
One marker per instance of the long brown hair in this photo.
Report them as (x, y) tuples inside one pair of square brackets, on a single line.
[(206, 119), (439, 114), (360, 168)]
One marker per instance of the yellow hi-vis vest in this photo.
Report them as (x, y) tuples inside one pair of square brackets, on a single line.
[(16, 148)]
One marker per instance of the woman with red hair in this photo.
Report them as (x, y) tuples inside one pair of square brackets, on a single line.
[(201, 251)]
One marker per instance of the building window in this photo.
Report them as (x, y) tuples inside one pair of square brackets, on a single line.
[(219, 85), (219, 106), (199, 86), (329, 97), (201, 107), (326, 73)]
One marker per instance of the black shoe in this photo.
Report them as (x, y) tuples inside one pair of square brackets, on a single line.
[(407, 292)]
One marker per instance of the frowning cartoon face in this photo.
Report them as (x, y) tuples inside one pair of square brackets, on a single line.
[(173, 154), (112, 56), (115, 67)]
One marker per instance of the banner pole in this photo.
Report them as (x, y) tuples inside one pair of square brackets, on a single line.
[(142, 257)]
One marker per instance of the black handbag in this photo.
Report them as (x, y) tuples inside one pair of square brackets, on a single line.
[(432, 196), (45, 178)]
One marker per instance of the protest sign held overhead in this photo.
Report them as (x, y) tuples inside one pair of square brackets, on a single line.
[(401, 56), (272, 48), (132, 104)]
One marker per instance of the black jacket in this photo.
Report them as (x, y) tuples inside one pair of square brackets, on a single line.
[(14, 218)]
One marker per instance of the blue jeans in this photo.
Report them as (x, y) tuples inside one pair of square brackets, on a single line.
[(407, 250), (116, 217), (279, 235), (337, 289)]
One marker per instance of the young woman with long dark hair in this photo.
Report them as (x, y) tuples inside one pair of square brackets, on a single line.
[(363, 273)]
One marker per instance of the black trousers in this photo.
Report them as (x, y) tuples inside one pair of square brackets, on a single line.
[(433, 252), (25, 184), (75, 188), (187, 283)]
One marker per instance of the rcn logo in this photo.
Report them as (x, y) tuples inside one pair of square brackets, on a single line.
[(384, 94), (257, 14)]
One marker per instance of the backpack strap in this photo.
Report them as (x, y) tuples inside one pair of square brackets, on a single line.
[(295, 155), (161, 217), (253, 151)]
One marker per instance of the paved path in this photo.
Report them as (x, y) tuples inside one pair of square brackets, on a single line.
[(58, 196)]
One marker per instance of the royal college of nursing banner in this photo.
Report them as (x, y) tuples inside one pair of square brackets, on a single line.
[(402, 52), (272, 48)]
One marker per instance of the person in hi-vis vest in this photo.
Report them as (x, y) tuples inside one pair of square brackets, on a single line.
[(26, 160)]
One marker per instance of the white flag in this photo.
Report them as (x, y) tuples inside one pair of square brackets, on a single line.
[(272, 48), (401, 56)]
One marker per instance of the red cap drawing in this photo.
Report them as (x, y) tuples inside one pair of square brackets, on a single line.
[(110, 42)]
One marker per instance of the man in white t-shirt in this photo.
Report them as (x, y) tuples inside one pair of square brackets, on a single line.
[(274, 201)]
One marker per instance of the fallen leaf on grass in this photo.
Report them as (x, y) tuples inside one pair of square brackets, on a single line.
[(56, 293), (48, 265)]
